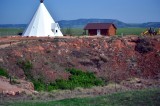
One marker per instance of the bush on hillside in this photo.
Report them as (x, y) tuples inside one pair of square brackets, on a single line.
[(3, 72), (26, 66), (78, 78), (143, 46)]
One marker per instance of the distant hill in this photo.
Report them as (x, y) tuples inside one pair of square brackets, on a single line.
[(80, 23), (152, 24)]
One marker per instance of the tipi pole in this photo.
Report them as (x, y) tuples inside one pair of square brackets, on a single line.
[(41, 1)]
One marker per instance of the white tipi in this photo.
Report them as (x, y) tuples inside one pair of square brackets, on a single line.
[(42, 24)]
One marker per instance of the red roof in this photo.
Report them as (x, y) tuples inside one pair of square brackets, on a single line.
[(98, 26)]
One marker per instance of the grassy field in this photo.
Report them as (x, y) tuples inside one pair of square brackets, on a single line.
[(130, 31), (150, 97), (74, 31), (10, 31)]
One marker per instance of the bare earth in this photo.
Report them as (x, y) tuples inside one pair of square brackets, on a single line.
[(14, 89), (5, 86), (101, 55)]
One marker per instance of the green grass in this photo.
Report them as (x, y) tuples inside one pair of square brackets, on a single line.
[(27, 66), (16, 31), (150, 97), (3, 72), (73, 31), (130, 31), (10, 31), (78, 78)]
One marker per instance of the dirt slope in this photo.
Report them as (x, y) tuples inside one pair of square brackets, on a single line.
[(20, 86), (109, 58)]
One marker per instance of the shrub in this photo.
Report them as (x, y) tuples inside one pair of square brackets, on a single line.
[(3, 72), (143, 46), (26, 66), (39, 85), (78, 78)]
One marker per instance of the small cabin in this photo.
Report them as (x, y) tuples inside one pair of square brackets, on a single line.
[(104, 29)]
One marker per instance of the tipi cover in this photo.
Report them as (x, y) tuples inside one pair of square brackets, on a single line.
[(42, 24)]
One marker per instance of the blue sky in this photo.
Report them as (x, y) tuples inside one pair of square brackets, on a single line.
[(129, 11)]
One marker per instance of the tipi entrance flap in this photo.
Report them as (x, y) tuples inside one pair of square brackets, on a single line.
[(56, 29)]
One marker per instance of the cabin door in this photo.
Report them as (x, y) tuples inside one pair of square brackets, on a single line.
[(98, 32)]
